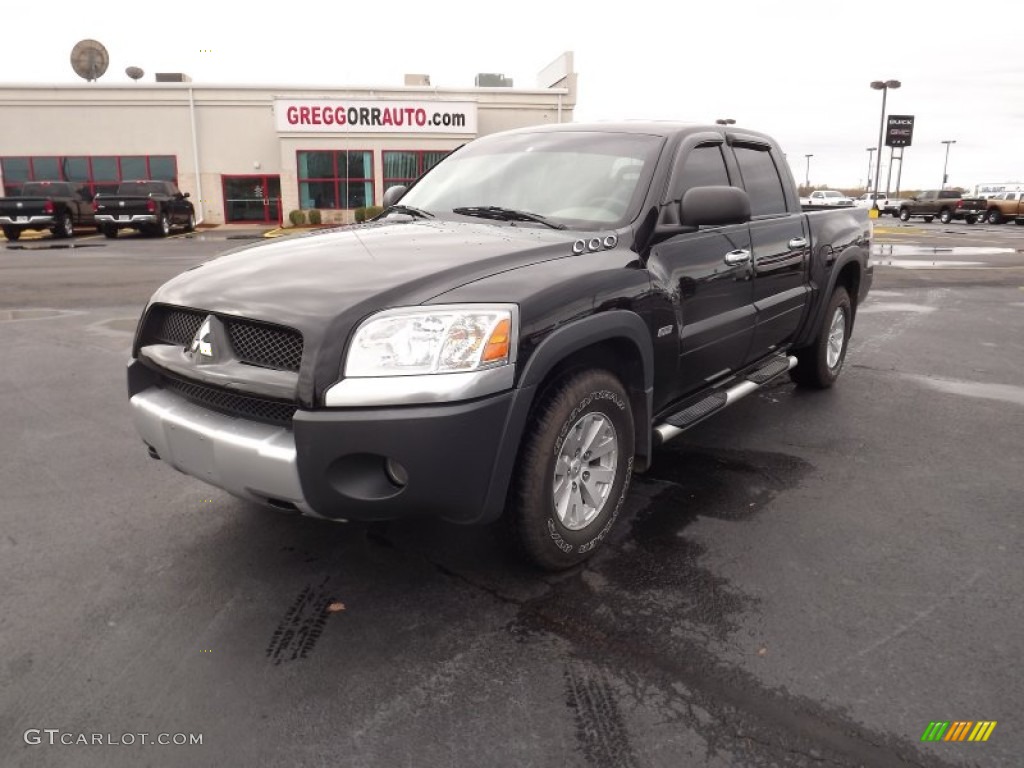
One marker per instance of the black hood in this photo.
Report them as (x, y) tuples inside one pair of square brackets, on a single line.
[(323, 284)]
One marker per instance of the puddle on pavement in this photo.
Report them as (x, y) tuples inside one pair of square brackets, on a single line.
[(894, 306), (1006, 393), (8, 315), (655, 556), (883, 250)]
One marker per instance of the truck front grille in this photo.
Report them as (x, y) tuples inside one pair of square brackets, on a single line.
[(260, 344), (232, 403)]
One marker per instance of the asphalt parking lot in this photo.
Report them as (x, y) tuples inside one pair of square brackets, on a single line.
[(804, 580)]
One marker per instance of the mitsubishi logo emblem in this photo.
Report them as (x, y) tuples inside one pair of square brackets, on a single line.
[(202, 342)]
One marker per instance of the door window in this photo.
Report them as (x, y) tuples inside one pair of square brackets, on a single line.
[(761, 180)]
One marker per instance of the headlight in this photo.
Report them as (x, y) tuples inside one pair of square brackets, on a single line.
[(439, 339)]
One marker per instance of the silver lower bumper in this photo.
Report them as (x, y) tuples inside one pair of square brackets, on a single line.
[(26, 221), (137, 218), (246, 458)]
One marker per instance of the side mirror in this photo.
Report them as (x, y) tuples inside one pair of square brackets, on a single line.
[(184, 194), (714, 206), (393, 195)]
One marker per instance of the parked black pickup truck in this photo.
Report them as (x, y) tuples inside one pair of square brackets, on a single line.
[(58, 206), (514, 336), (947, 204), (151, 207)]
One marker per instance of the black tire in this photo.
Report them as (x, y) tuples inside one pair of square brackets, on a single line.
[(928, 219), (163, 226), (904, 214), (536, 527), (64, 227), (1019, 222), (190, 225), (994, 216), (945, 216), (110, 232), (812, 369), (12, 233), (971, 219)]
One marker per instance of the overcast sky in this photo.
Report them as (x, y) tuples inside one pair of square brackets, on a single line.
[(799, 71)]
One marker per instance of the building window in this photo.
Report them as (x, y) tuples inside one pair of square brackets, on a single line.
[(335, 179), (405, 166), (98, 174)]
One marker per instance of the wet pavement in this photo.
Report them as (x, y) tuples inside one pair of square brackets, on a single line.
[(806, 579)]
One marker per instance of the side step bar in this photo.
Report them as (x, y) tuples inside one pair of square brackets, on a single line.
[(679, 422)]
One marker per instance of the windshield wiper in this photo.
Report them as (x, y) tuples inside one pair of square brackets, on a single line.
[(505, 214), (417, 213)]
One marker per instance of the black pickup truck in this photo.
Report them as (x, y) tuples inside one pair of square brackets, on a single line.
[(58, 206), (514, 336), (150, 207)]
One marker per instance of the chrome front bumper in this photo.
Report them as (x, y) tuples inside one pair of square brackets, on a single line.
[(248, 459)]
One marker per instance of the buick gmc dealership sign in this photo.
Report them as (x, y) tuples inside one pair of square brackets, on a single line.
[(360, 116)]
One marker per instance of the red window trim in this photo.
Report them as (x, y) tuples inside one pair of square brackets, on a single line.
[(419, 164), (336, 180)]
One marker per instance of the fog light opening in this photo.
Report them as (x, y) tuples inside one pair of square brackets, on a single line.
[(396, 473)]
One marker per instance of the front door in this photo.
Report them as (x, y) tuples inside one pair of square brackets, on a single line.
[(252, 199), (707, 273)]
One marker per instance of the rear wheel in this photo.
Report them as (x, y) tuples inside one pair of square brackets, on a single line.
[(995, 216), (191, 225), (819, 365), (11, 233), (971, 219), (928, 218), (904, 214), (64, 227), (1019, 222), (110, 232), (573, 470), (163, 227), (945, 215)]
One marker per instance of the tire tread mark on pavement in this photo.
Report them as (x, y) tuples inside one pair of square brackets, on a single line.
[(600, 730)]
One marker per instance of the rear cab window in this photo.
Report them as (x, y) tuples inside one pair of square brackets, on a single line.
[(761, 179)]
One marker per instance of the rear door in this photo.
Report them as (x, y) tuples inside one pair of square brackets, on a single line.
[(780, 245), (707, 274)]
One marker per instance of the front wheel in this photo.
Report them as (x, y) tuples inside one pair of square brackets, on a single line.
[(945, 216), (819, 365), (928, 219), (904, 214), (573, 470), (970, 219), (995, 216)]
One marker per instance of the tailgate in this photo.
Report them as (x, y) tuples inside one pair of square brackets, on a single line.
[(123, 206)]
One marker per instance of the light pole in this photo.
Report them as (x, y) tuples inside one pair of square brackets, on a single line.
[(883, 86), (807, 174), (867, 186), (946, 163), (725, 121)]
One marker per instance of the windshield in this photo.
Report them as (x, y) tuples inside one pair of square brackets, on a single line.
[(576, 179)]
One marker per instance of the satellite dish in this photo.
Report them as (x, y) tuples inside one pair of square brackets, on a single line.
[(135, 73), (89, 59)]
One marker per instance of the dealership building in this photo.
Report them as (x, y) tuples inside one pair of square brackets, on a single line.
[(255, 153)]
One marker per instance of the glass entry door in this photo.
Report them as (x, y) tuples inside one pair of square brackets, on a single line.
[(252, 198)]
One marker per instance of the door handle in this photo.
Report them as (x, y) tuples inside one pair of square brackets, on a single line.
[(740, 256), (798, 242)]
